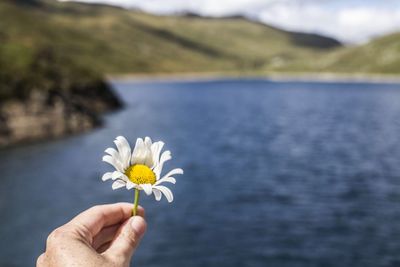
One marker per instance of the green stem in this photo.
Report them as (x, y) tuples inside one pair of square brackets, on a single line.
[(136, 202)]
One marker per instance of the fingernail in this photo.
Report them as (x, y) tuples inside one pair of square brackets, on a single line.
[(138, 225)]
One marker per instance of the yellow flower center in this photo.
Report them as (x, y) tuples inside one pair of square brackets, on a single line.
[(140, 174)]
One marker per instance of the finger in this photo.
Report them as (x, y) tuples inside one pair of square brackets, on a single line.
[(141, 212), (91, 221), (105, 236), (103, 247), (127, 240), (40, 261)]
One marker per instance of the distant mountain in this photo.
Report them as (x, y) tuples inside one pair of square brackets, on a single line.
[(116, 40), (298, 38), (314, 40), (381, 55)]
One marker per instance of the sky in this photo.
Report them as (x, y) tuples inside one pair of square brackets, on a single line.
[(350, 21)]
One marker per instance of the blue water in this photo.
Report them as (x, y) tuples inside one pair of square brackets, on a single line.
[(276, 174)]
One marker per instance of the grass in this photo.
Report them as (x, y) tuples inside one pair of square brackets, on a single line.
[(381, 55), (114, 40)]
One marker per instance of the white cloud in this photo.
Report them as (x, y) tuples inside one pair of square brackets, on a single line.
[(204, 7), (364, 23), (347, 20), (347, 23)]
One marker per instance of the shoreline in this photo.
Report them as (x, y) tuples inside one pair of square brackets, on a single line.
[(272, 76)]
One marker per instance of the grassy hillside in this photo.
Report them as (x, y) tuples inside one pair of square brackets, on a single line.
[(114, 40), (105, 39), (381, 55)]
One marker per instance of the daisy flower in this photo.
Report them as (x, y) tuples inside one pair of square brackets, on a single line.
[(140, 169)]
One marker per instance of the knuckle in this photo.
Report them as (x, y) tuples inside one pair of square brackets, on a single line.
[(115, 259), (40, 260), (55, 236), (131, 240), (83, 232)]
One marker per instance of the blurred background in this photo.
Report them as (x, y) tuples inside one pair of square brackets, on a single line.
[(284, 114)]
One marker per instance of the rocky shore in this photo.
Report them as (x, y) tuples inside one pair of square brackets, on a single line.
[(52, 114), (51, 98)]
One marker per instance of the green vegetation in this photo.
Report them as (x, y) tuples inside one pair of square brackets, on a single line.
[(381, 56), (28, 59), (113, 40), (48, 44)]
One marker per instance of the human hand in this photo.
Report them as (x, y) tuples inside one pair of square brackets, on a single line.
[(103, 235)]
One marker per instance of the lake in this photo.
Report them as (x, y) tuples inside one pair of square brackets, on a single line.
[(276, 174)]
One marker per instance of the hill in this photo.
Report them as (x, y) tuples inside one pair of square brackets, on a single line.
[(115, 40), (381, 55)]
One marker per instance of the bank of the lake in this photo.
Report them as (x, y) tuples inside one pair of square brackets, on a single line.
[(330, 77), (49, 96)]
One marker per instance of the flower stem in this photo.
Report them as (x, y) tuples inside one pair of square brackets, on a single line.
[(136, 202)]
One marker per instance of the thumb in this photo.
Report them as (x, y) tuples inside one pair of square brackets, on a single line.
[(127, 239)]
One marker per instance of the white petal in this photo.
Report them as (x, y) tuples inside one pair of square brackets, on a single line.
[(127, 149), (148, 159), (157, 194), (147, 142), (155, 151), (116, 156), (122, 144), (146, 188), (113, 153), (165, 156), (130, 185), (124, 150), (119, 175), (113, 162), (142, 153), (106, 176), (141, 156), (118, 184), (173, 172), (137, 151), (166, 180), (167, 193), (138, 145)]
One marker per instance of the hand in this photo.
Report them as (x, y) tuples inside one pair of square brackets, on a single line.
[(104, 235)]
